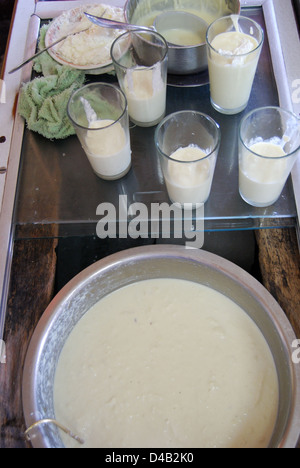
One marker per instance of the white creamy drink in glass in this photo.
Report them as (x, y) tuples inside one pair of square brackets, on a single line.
[(98, 112), (189, 175), (232, 59), (228, 70), (146, 94), (108, 151), (262, 178), (268, 149), (187, 144), (141, 62)]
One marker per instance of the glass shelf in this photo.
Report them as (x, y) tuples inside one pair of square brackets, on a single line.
[(57, 187)]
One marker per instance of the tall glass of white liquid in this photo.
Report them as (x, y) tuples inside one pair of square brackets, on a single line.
[(99, 114), (269, 145), (188, 143), (141, 62), (234, 45)]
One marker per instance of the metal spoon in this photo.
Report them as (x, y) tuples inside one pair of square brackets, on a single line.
[(56, 423), (47, 48), (107, 23), (44, 50)]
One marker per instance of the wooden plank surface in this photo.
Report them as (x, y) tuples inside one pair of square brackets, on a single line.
[(279, 261), (33, 276), (280, 268)]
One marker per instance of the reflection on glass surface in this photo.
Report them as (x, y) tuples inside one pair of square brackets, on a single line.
[(57, 185)]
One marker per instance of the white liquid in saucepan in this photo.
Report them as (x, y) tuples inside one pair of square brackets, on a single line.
[(183, 37), (167, 363)]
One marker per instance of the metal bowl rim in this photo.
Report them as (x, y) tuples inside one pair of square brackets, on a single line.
[(129, 1)]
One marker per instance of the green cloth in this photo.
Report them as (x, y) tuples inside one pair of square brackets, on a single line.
[(43, 101), (45, 64)]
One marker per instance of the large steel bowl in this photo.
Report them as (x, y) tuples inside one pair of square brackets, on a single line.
[(144, 263), (187, 59)]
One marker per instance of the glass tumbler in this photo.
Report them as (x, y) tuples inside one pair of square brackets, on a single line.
[(141, 62), (99, 115), (234, 45), (269, 145), (188, 144)]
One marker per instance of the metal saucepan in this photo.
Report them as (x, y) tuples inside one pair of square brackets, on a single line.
[(183, 58), (187, 59)]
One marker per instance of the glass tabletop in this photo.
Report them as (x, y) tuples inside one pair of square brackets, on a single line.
[(57, 186)]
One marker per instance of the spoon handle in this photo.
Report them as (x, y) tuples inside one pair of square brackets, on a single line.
[(42, 51), (107, 23)]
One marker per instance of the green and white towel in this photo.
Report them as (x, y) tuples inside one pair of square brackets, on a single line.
[(43, 101)]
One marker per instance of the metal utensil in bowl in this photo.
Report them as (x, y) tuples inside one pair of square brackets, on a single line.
[(112, 24), (187, 58), (144, 12), (44, 50), (145, 263), (183, 59)]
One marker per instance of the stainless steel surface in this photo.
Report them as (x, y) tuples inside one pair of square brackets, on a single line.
[(184, 60), (143, 263), (43, 50), (111, 24)]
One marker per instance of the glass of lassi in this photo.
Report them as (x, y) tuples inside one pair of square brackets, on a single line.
[(141, 61), (99, 115), (269, 145), (188, 143), (234, 45)]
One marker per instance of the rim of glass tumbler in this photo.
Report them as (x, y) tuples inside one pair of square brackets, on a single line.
[(260, 109), (238, 55), (93, 85), (207, 117), (136, 32)]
